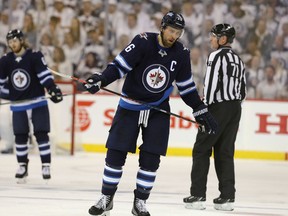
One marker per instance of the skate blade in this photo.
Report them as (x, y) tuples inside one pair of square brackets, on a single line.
[(196, 205), (21, 180), (46, 181), (107, 213), (224, 207)]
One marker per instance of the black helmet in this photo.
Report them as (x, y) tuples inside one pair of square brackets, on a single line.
[(224, 29), (173, 19), (16, 33)]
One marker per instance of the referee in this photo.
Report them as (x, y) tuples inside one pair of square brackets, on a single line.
[(224, 89)]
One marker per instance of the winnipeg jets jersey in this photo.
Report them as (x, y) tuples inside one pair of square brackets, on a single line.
[(150, 71), (24, 77)]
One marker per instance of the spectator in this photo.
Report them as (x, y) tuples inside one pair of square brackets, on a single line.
[(37, 11), (156, 22), (278, 50), (30, 31), (264, 38), (60, 63), (271, 22), (46, 47), (54, 30), (16, 15), (88, 65), (72, 49), (78, 31), (285, 34), (241, 20), (197, 65), (194, 22), (87, 15), (130, 26), (64, 13), (4, 23), (95, 43), (254, 74), (143, 18), (268, 88), (281, 74)]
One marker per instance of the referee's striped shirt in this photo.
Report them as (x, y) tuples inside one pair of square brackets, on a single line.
[(225, 77)]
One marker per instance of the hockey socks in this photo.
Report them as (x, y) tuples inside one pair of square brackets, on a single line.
[(111, 179), (144, 183)]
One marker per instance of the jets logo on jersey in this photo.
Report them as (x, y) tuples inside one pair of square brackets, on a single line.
[(155, 78), (20, 79)]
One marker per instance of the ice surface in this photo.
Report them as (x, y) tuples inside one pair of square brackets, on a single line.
[(262, 187)]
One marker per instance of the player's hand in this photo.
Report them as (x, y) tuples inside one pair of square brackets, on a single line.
[(93, 83), (207, 122), (56, 94)]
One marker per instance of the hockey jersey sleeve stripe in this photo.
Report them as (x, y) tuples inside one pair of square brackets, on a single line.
[(121, 72), (2, 81), (42, 81), (188, 90), (43, 74), (185, 83), (121, 61), (5, 91)]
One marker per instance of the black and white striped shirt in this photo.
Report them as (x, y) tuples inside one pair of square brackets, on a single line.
[(225, 77)]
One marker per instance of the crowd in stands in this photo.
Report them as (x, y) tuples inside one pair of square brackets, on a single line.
[(81, 36)]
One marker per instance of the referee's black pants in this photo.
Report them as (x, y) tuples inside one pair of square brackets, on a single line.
[(222, 144)]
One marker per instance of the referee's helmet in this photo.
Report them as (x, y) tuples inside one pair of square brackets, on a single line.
[(224, 29), (173, 19)]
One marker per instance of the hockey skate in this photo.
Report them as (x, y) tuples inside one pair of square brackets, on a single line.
[(103, 206), (139, 207), (22, 173), (223, 204), (193, 202), (46, 172)]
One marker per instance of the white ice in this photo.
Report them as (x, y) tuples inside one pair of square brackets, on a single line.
[(262, 187)]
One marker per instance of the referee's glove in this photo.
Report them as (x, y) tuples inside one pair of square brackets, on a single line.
[(206, 121), (94, 83)]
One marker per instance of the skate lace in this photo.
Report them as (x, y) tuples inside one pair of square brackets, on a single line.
[(103, 202), (141, 205)]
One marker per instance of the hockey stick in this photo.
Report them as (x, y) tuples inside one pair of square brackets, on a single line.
[(28, 100), (123, 96)]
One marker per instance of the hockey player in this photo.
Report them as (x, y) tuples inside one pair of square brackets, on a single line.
[(24, 76), (151, 62)]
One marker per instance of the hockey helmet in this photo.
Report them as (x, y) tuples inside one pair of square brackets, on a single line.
[(173, 19), (224, 29), (15, 33)]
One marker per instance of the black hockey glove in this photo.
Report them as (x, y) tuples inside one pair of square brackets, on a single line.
[(207, 121), (94, 83), (56, 94)]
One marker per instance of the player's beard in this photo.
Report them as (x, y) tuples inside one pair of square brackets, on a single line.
[(166, 42), (16, 49)]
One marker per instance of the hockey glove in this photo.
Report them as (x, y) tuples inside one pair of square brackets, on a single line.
[(205, 119), (56, 94), (93, 83)]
